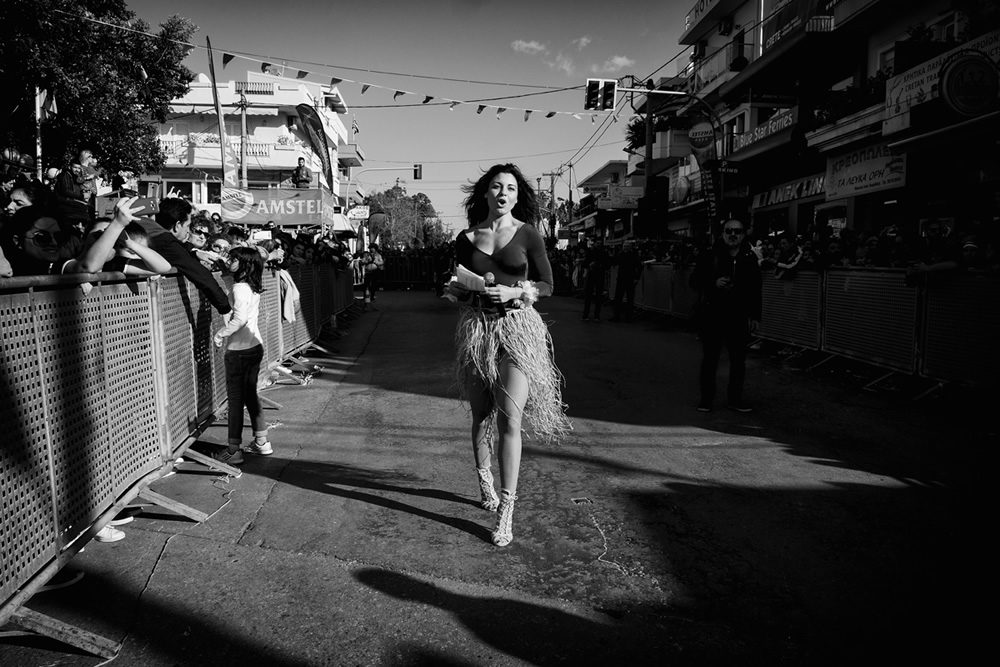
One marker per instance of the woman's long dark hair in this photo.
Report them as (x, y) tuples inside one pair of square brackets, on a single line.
[(476, 208), (250, 269)]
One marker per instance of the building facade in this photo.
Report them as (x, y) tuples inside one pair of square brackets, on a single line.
[(270, 123), (857, 114)]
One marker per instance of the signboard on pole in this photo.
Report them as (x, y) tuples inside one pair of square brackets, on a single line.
[(625, 197), (359, 213)]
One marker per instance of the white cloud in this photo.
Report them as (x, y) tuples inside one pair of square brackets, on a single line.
[(562, 63), (532, 48), (613, 64), (582, 42)]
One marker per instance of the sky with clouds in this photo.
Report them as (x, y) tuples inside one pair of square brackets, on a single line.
[(515, 55)]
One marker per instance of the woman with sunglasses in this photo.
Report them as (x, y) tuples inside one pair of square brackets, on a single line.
[(36, 241)]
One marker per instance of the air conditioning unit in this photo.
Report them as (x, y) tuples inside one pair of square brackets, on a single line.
[(726, 26), (699, 50)]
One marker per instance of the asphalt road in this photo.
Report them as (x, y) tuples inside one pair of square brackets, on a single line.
[(833, 525)]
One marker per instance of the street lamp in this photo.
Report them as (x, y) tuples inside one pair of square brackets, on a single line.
[(714, 121)]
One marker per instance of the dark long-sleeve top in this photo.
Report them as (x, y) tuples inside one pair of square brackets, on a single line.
[(743, 297), (172, 250), (523, 258)]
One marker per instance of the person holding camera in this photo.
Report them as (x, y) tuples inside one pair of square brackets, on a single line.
[(728, 278)]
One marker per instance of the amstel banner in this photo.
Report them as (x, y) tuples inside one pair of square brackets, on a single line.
[(283, 207)]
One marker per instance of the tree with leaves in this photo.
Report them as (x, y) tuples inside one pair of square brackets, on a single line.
[(409, 221), (112, 81)]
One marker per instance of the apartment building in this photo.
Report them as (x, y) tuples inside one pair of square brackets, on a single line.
[(844, 113), (270, 123)]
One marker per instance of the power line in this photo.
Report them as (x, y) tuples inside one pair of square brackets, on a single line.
[(265, 58), (585, 150)]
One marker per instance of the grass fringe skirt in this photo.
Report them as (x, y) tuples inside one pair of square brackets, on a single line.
[(481, 342)]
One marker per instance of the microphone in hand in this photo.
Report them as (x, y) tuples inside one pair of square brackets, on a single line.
[(491, 281)]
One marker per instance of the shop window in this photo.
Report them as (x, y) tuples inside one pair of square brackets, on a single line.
[(213, 193), (184, 189), (887, 59), (945, 29), (830, 219)]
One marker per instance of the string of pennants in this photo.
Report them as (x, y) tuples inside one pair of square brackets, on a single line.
[(427, 99)]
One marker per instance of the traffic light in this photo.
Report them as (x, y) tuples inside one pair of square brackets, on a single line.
[(418, 172), (602, 94), (609, 95), (593, 101)]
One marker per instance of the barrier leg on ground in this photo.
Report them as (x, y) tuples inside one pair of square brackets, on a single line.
[(172, 505), (67, 634)]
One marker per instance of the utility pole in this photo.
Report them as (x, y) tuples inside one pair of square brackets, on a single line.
[(569, 209), (552, 199), (243, 104)]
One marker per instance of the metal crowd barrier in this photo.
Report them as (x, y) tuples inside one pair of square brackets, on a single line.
[(792, 309), (405, 270), (871, 315), (100, 392), (944, 330), (961, 329)]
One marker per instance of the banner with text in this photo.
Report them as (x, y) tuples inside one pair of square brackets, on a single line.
[(284, 207), (866, 170)]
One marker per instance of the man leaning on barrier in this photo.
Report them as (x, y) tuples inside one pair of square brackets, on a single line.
[(166, 236)]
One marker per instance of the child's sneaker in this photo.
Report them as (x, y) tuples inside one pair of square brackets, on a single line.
[(231, 458), (261, 449)]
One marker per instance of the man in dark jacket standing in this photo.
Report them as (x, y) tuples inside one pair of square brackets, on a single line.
[(596, 263), (629, 273), (729, 280)]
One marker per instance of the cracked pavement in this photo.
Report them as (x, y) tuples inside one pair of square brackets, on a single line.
[(829, 525)]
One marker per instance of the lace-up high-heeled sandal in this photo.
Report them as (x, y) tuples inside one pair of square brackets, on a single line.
[(503, 534), (490, 502)]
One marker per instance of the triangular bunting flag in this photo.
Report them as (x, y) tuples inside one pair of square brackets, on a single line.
[(577, 116), (334, 81), (453, 105), (550, 114), (614, 118), (364, 88), (427, 99), (500, 111), (397, 94), (226, 59), (301, 75), (264, 67), (593, 118), (526, 114), (480, 109)]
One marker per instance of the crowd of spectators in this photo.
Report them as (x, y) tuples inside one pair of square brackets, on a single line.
[(51, 227)]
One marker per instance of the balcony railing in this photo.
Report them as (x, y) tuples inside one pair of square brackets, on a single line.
[(255, 87), (254, 148), (730, 58)]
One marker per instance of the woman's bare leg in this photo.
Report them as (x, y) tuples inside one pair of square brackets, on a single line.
[(511, 397), (480, 402)]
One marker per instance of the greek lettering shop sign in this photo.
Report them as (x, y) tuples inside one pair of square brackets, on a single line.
[(783, 120), (921, 83), (866, 170), (788, 192)]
